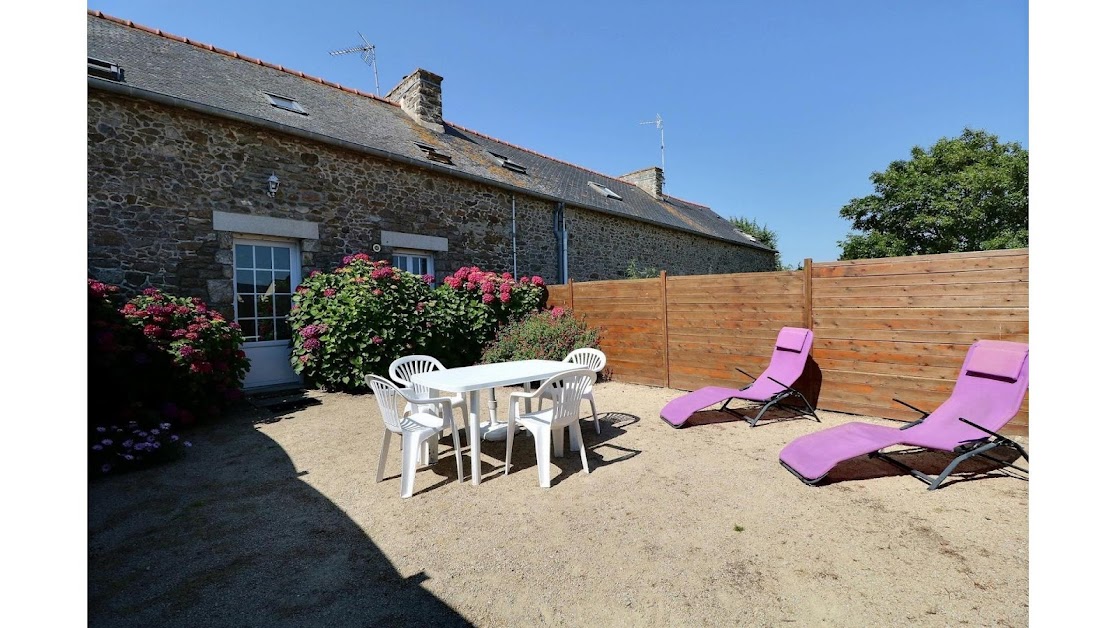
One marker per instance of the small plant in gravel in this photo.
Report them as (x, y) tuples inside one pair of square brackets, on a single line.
[(548, 335)]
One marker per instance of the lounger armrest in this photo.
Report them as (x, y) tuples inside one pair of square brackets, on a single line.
[(920, 411), (995, 435)]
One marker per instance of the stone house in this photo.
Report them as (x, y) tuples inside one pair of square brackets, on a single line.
[(229, 178)]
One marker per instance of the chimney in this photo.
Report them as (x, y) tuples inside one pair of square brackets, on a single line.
[(420, 97), (649, 180)]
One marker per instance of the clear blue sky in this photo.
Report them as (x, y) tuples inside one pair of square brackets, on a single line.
[(776, 111)]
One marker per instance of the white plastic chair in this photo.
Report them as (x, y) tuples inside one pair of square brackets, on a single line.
[(402, 370), (592, 359), (416, 428), (564, 391)]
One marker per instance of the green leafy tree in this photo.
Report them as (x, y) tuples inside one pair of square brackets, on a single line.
[(967, 193), (763, 234)]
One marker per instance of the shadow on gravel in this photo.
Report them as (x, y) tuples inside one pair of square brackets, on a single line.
[(229, 535)]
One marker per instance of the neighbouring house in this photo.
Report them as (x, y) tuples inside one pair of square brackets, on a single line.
[(229, 178)]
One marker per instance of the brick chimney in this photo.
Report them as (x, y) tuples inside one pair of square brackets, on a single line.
[(420, 97), (649, 180)]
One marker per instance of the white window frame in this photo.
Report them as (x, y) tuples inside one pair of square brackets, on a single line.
[(413, 254)]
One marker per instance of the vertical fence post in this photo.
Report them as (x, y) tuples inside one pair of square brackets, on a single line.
[(808, 293), (569, 285), (666, 334)]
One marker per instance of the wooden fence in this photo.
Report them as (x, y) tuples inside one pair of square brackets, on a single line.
[(883, 328)]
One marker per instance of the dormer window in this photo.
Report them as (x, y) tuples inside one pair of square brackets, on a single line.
[(283, 102), (603, 191), (104, 69), (504, 161), (433, 154)]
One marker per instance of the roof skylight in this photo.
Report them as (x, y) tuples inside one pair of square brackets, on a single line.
[(105, 69), (603, 191), (433, 154), (283, 102), (508, 163)]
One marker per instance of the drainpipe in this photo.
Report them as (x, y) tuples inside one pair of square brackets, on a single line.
[(515, 265), (560, 237)]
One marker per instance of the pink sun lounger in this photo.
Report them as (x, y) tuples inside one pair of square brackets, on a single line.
[(988, 393), (771, 388)]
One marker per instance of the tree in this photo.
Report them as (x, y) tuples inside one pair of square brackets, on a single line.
[(967, 193), (763, 234)]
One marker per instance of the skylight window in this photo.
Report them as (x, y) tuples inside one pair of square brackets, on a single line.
[(508, 163), (433, 154), (105, 69), (283, 102), (603, 191)]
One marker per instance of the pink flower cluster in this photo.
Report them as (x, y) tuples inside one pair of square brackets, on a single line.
[(349, 259), (490, 285), (311, 331)]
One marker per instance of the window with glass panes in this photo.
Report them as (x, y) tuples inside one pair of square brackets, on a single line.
[(413, 262), (263, 291)]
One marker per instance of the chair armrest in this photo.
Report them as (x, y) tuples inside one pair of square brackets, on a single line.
[(419, 401)]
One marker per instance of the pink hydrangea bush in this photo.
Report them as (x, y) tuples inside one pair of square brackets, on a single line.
[(356, 320), (154, 364), (364, 314)]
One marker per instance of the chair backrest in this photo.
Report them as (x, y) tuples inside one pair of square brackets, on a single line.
[(593, 359), (567, 390), (989, 392), (406, 367), (788, 361), (387, 395)]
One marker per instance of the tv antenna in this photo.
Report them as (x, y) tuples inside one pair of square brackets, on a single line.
[(367, 54), (658, 122)]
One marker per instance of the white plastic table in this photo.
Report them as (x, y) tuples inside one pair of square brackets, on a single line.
[(473, 379)]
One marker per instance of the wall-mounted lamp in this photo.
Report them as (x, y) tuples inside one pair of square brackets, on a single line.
[(272, 185)]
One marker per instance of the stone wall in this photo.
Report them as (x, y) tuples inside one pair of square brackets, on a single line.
[(601, 247), (156, 175)]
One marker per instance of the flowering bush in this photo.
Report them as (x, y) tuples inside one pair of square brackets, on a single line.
[(548, 335), (154, 364), (204, 346), (365, 314), (115, 447)]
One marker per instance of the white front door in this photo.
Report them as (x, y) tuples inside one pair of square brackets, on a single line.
[(265, 275)]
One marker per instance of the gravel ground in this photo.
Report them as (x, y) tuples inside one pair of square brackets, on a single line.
[(274, 518)]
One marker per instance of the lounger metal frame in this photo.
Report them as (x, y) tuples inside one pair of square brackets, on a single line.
[(775, 401)]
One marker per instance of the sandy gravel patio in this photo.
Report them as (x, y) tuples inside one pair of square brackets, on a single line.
[(274, 519)]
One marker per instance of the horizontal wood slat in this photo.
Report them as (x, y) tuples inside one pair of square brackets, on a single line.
[(892, 327)]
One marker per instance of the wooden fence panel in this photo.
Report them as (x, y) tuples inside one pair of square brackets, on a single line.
[(894, 327), (718, 323), (900, 327)]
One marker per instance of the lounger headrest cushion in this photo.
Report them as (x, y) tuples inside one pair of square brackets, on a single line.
[(791, 339), (1005, 363)]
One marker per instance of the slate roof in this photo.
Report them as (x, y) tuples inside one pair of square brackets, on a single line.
[(157, 63)]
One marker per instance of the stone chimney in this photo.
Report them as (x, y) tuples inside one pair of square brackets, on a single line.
[(649, 180), (420, 97)]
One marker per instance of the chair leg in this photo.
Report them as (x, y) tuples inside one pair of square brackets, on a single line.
[(511, 436), (593, 406), (558, 440), (457, 451), (542, 455), (383, 455), (411, 452), (575, 436)]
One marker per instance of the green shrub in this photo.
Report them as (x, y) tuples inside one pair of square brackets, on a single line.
[(542, 336), (362, 316)]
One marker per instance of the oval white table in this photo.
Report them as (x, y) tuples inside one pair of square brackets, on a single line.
[(473, 379)]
